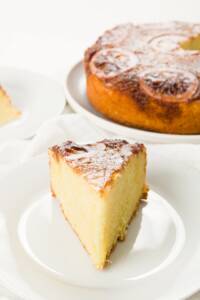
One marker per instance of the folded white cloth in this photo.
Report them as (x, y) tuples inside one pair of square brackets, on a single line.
[(67, 126), (74, 127)]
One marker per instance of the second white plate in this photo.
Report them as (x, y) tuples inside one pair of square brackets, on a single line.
[(38, 97), (75, 88)]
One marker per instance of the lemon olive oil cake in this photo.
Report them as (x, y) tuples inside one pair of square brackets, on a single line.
[(99, 187)]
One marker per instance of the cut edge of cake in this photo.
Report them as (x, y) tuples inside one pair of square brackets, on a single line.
[(8, 111)]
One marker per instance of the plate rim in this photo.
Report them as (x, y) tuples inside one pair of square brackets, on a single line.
[(106, 124)]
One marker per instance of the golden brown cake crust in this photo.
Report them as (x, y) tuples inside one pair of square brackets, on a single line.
[(98, 162), (144, 76)]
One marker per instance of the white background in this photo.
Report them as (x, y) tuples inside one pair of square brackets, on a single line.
[(47, 36)]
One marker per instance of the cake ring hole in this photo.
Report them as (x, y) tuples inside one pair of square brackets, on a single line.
[(191, 44), (168, 42), (169, 84), (111, 62)]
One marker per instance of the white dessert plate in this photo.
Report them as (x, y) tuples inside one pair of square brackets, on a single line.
[(160, 258), (38, 97), (75, 89)]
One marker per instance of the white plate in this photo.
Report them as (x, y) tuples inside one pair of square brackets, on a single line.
[(38, 97), (77, 98), (133, 260), (160, 258)]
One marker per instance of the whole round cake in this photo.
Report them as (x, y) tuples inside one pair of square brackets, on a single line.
[(147, 76)]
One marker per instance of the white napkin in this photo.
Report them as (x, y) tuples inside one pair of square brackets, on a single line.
[(69, 126), (74, 127)]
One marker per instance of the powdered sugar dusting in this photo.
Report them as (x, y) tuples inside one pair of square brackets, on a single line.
[(121, 53), (98, 162)]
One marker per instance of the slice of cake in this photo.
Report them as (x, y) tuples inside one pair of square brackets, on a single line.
[(99, 187), (7, 111)]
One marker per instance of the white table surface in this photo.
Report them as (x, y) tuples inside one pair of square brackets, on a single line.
[(48, 36)]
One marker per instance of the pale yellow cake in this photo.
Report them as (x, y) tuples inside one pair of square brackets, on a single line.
[(99, 187), (7, 111)]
